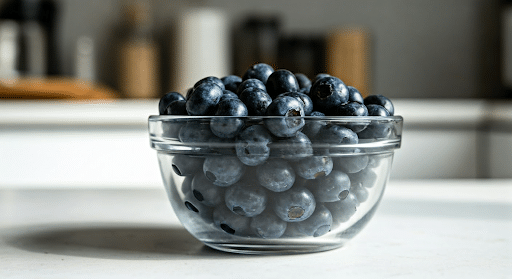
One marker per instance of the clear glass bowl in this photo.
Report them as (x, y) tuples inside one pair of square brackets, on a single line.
[(306, 193)]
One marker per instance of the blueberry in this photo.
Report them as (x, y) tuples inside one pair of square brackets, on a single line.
[(318, 77), (204, 99), (223, 170), (252, 145), (189, 92), (342, 210), (292, 148), (377, 110), (171, 128), (365, 178), (248, 83), (376, 129), (184, 165), (259, 71), (303, 80), (227, 94), (231, 82), (305, 90), (256, 100), (314, 167), (176, 108), (312, 127), (306, 101), (351, 164), (354, 109), (331, 188), (246, 198), (382, 101), (294, 205), (335, 135), (268, 225), (360, 192), (276, 175), (186, 185), (195, 132), (328, 93), (292, 120), (229, 222), (211, 79), (205, 192), (281, 81), (228, 127), (195, 207), (354, 95), (318, 224), (167, 99), (317, 114)]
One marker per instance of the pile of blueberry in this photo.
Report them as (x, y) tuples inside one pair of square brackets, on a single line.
[(275, 184)]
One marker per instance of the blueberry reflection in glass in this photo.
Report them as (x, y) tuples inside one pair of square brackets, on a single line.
[(252, 145), (318, 224), (293, 148), (313, 167), (246, 198), (205, 192), (330, 188), (294, 205), (229, 222), (276, 175), (268, 225), (228, 127), (223, 170)]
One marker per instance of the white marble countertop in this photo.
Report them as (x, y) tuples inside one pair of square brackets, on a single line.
[(423, 229)]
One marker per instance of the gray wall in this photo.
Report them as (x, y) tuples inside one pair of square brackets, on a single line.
[(421, 48)]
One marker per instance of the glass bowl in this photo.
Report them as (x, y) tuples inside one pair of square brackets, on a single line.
[(311, 189)]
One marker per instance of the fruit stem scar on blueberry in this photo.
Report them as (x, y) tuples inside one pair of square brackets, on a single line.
[(191, 207), (318, 174), (198, 195), (343, 194), (227, 229), (324, 94), (293, 112), (295, 212)]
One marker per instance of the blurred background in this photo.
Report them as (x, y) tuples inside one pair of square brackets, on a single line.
[(78, 79)]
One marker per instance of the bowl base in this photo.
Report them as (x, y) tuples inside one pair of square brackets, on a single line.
[(274, 249)]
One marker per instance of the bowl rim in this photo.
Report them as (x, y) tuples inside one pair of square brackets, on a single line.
[(394, 118)]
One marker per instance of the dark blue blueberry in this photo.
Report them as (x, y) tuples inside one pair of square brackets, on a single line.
[(335, 135), (167, 99), (376, 129), (312, 127), (228, 127), (204, 99), (252, 145), (303, 80), (195, 132), (351, 164), (176, 108), (223, 170), (293, 148), (354, 109), (259, 71), (281, 81), (318, 77), (377, 110), (305, 90), (268, 225), (366, 178), (211, 79), (256, 100), (171, 128), (317, 114), (294, 205), (292, 120), (228, 95), (248, 83), (318, 224), (205, 192), (246, 198), (354, 95), (382, 101), (189, 92), (231, 82), (341, 211), (306, 101), (185, 165), (229, 222), (197, 208), (359, 192), (276, 175), (327, 94), (331, 188), (314, 167)]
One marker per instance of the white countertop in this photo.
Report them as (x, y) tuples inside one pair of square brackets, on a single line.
[(423, 229)]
